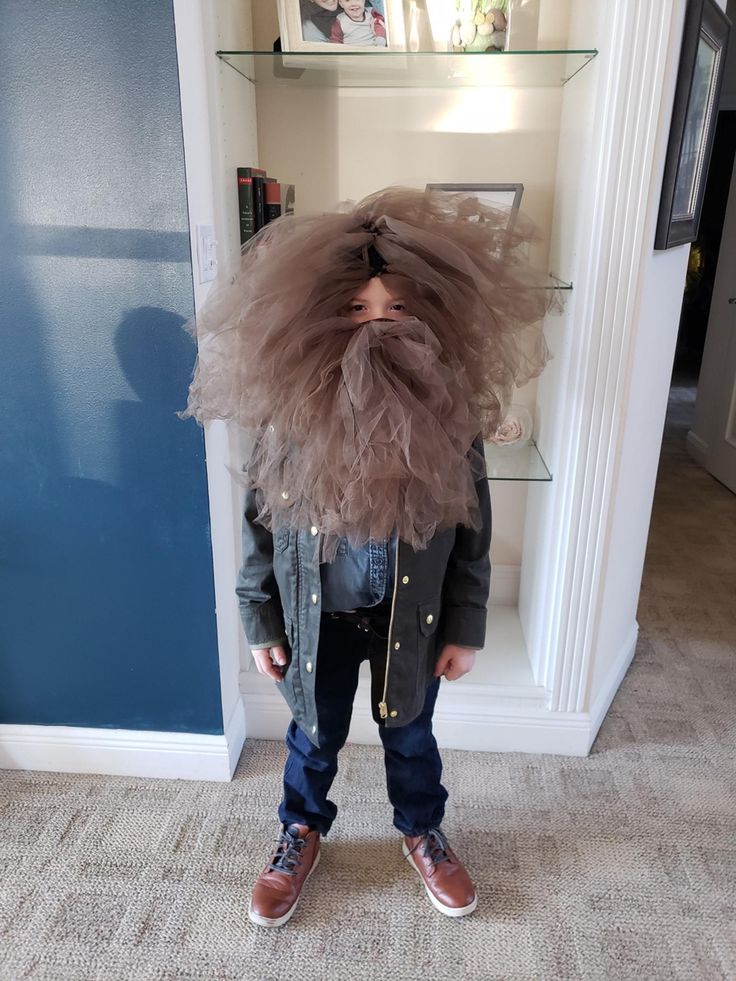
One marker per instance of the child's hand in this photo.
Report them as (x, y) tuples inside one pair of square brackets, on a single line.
[(265, 657), (454, 662)]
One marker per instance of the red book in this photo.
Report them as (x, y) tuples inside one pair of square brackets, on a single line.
[(272, 194)]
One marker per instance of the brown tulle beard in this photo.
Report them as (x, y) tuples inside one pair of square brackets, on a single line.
[(378, 439)]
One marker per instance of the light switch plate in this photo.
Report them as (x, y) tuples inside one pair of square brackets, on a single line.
[(206, 253)]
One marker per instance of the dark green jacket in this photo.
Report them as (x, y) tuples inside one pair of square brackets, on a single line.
[(440, 596)]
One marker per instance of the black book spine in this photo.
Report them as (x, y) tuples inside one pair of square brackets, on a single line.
[(246, 205), (259, 201)]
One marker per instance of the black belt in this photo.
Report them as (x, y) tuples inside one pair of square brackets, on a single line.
[(366, 618)]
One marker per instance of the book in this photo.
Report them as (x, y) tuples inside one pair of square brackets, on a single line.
[(261, 199), (272, 200), (259, 179), (287, 199), (246, 201)]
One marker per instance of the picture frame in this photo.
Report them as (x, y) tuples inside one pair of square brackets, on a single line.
[(694, 118), (489, 25), (304, 26), (506, 196)]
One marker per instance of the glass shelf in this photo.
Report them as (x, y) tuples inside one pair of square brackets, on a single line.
[(555, 283), (409, 69), (515, 462), (561, 290)]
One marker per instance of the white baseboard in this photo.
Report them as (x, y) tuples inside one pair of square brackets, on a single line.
[(467, 716), (493, 718), (481, 717), (125, 752), (615, 676), (488, 728), (696, 447)]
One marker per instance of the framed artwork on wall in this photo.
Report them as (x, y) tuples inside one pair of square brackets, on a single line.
[(312, 26), (694, 118)]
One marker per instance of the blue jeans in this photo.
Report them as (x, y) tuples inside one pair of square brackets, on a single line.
[(413, 764)]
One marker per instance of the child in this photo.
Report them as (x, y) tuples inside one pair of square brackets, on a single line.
[(369, 352), (356, 25)]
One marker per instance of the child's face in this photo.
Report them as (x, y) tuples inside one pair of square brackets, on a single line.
[(353, 8), (373, 301)]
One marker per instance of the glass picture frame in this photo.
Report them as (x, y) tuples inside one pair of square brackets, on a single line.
[(347, 26), (694, 117)]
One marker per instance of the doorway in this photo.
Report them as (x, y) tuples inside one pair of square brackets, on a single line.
[(701, 273)]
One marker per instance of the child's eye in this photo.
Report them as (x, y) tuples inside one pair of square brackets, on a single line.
[(354, 307), (398, 306)]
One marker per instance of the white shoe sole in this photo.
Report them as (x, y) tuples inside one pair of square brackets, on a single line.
[(447, 910), (279, 921)]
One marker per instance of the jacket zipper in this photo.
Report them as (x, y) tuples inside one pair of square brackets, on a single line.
[(382, 705)]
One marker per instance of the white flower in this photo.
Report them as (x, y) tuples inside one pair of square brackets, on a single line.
[(509, 431)]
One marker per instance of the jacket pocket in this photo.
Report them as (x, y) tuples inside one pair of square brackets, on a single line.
[(429, 614), (281, 539)]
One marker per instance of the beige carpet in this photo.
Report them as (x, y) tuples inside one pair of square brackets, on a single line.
[(618, 865)]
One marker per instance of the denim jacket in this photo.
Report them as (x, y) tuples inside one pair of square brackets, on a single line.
[(440, 596)]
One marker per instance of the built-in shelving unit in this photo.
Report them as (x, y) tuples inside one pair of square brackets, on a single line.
[(280, 78), (341, 124)]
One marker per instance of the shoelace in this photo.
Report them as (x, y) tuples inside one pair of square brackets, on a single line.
[(435, 846), (288, 856)]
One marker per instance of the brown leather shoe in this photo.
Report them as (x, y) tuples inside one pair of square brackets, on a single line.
[(448, 885), (276, 891)]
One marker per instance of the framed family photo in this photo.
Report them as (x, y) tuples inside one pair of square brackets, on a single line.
[(313, 26), (694, 118)]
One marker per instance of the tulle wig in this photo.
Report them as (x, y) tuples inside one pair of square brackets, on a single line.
[(363, 429)]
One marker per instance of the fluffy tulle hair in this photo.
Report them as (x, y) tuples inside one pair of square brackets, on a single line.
[(361, 429)]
